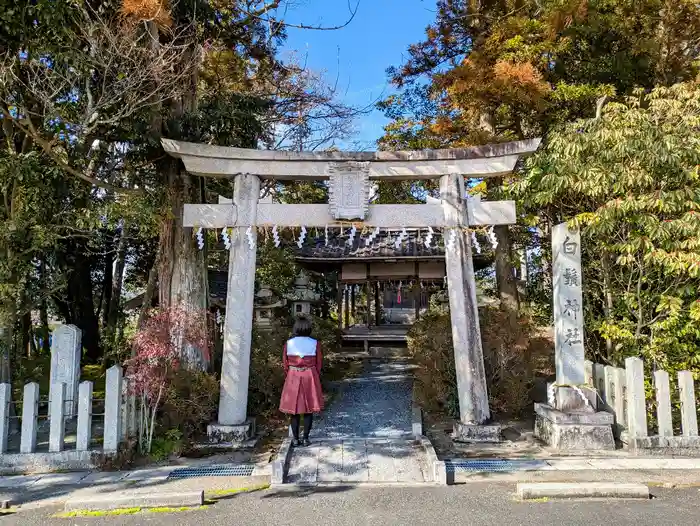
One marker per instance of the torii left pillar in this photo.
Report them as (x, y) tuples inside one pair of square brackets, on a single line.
[(233, 424)]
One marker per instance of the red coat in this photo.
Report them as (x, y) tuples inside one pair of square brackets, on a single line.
[(302, 392)]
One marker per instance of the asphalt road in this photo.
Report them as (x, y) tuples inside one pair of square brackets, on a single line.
[(469, 505)]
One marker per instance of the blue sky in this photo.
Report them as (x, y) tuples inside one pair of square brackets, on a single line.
[(359, 54)]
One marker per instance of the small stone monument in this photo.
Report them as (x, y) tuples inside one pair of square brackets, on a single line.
[(264, 307), (65, 365), (570, 419)]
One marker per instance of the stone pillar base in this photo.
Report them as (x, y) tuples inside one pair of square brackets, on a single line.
[(231, 434), (574, 430), (476, 433), (568, 399)]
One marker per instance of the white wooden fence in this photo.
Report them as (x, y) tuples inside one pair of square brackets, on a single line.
[(116, 418), (622, 393)]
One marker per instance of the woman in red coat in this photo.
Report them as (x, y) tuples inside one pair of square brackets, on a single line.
[(302, 394)]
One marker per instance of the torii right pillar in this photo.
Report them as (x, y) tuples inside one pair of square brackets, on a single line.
[(474, 424)]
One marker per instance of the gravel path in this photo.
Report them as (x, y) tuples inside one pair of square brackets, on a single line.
[(377, 404)]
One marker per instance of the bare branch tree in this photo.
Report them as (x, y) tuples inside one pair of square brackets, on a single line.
[(278, 24), (308, 113), (62, 97)]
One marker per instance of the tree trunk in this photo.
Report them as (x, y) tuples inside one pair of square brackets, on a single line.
[(506, 283), (33, 349), (6, 340), (79, 307), (106, 298), (505, 277), (182, 274), (86, 320), (182, 270), (115, 295), (25, 334), (8, 319), (44, 317), (487, 122), (150, 289), (44, 314)]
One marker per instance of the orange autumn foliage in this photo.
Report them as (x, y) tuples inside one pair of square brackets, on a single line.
[(520, 77), (571, 12), (148, 11), (474, 83)]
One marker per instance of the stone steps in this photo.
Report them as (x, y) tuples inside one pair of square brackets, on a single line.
[(386, 352), (359, 461)]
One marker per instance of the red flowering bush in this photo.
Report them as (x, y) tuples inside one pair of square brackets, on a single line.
[(157, 355)]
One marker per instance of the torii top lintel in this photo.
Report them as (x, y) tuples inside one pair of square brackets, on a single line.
[(491, 160)]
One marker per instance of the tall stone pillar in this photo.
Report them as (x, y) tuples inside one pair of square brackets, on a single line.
[(233, 425), (570, 419), (466, 335)]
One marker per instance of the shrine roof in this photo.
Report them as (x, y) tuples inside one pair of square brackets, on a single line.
[(382, 247)]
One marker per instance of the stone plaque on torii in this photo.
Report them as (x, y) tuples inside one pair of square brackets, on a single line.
[(349, 176)]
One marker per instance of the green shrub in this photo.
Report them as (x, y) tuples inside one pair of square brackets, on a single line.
[(266, 369), (191, 402), (430, 347), (162, 447), (508, 360), (511, 358)]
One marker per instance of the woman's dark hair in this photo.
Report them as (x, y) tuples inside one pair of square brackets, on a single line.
[(302, 326)]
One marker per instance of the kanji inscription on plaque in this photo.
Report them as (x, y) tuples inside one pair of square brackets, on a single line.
[(349, 190)]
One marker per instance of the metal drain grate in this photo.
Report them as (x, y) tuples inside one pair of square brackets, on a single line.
[(492, 465), (239, 470)]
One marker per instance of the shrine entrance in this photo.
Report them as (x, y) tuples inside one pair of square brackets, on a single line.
[(384, 287), (439, 224)]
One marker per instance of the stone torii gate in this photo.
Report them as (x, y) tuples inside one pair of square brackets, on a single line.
[(350, 174)]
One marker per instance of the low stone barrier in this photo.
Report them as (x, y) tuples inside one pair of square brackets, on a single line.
[(623, 394), (580, 490), (82, 456)]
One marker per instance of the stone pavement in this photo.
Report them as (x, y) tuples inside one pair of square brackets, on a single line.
[(359, 460), (366, 433), (384, 461), (377, 404), (562, 469), (52, 488)]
